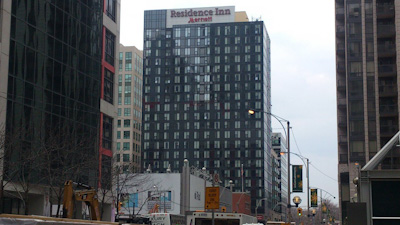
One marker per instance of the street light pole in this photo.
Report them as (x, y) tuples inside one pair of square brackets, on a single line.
[(258, 203), (252, 112), (288, 170), (308, 178), (308, 188), (321, 200)]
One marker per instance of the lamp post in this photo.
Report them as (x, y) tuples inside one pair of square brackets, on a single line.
[(321, 199), (279, 119), (204, 170), (308, 177), (313, 215), (258, 203)]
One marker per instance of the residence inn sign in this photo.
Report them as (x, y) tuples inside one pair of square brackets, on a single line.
[(200, 15)]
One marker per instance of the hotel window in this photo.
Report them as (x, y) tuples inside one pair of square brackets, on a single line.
[(237, 40), (107, 132), (247, 49), (227, 50), (108, 86), (217, 50), (127, 123), (187, 32), (196, 145), (110, 47)]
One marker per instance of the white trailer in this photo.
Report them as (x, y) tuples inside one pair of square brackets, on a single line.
[(205, 218)]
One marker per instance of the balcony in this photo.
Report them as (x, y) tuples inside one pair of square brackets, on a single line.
[(387, 90), (340, 31), (343, 158), (342, 139), (340, 67), (386, 30), (340, 14), (342, 121), (386, 50), (341, 85), (384, 11), (341, 103), (388, 110), (387, 70), (340, 50)]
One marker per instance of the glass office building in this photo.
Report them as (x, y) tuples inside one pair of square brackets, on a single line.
[(203, 69), (57, 84)]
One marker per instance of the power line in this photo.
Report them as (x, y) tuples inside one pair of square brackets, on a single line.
[(323, 173), (310, 163), (295, 141)]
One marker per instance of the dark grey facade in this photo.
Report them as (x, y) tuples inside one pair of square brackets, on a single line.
[(56, 108), (199, 82), (367, 86)]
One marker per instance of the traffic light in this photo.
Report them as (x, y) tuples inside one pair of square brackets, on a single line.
[(299, 211), (119, 206)]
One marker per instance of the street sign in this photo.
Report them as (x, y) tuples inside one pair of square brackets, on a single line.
[(297, 178), (212, 198)]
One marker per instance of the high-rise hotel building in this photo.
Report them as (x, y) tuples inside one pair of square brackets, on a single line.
[(57, 96), (367, 72), (203, 69), (129, 124)]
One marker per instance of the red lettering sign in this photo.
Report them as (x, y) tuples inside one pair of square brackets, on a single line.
[(191, 12), (197, 20)]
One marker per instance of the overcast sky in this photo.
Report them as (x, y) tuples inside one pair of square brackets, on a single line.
[(303, 71)]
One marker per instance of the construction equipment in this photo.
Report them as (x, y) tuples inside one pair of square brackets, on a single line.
[(88, 195)]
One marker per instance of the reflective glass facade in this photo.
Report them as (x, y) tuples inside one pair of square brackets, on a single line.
[(199, 82), (54, 81)]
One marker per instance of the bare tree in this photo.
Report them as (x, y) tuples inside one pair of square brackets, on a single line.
[(116, 185), (23, 163), (67, 155)]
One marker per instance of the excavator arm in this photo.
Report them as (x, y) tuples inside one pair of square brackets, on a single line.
[(68, 203), (88, 196)]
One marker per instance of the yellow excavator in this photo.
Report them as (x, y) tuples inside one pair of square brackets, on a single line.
[(87, 195)]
